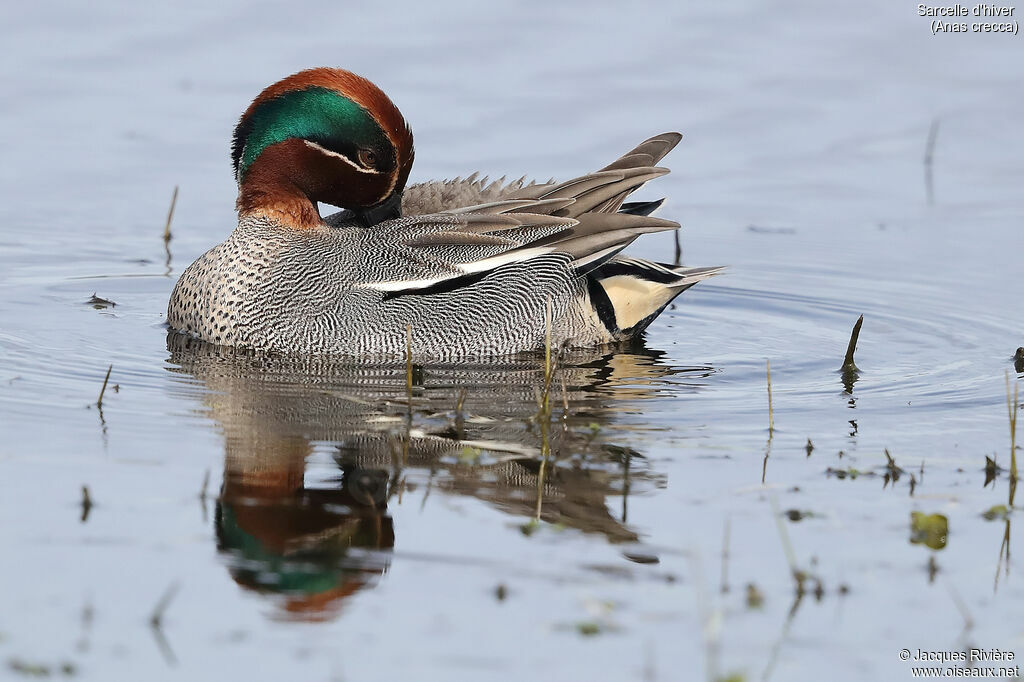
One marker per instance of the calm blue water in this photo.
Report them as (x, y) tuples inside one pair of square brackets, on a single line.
[(339, 541)]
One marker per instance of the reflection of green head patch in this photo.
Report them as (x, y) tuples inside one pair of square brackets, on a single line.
[(309, 572), (316, 114)]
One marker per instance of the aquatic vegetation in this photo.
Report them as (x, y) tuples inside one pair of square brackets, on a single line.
[(103, 389), (930, 530)]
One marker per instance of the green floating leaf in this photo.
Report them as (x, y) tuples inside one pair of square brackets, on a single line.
[(997, 511), (930, 530), (530, 527), (850, 473)]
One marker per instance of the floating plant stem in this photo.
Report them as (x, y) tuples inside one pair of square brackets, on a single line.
[(771, 426), (849, 371), (851, 348), (787, 546), (1011, 407), (170, 216), (460, 415), (99, 401), (544, 411), (547, 343), (408, 362)]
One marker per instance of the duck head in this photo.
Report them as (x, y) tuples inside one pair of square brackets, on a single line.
[(321, 135)]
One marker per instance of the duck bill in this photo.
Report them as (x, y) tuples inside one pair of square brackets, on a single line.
[(389, 209)]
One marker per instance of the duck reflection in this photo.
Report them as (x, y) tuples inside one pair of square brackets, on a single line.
[(310, 547), (468, 429)]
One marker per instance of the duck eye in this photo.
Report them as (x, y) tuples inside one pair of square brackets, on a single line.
[(367, 158)]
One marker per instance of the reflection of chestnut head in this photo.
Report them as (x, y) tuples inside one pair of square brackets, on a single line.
[(299, 546)]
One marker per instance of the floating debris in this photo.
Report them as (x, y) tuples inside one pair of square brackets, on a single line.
[(100, 303), (992, 470), (996, 512), (892, 472), (86, 503), (849, 472), (796, 515), (754, 597)]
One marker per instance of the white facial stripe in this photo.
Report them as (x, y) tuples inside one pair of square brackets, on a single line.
[(328, 152)]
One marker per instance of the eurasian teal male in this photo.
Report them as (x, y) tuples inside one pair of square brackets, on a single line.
[(472, 269)]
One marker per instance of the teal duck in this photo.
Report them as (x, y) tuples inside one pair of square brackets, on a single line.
[(457, 269)]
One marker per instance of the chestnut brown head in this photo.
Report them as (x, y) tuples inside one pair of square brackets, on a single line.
[(321, 135)]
